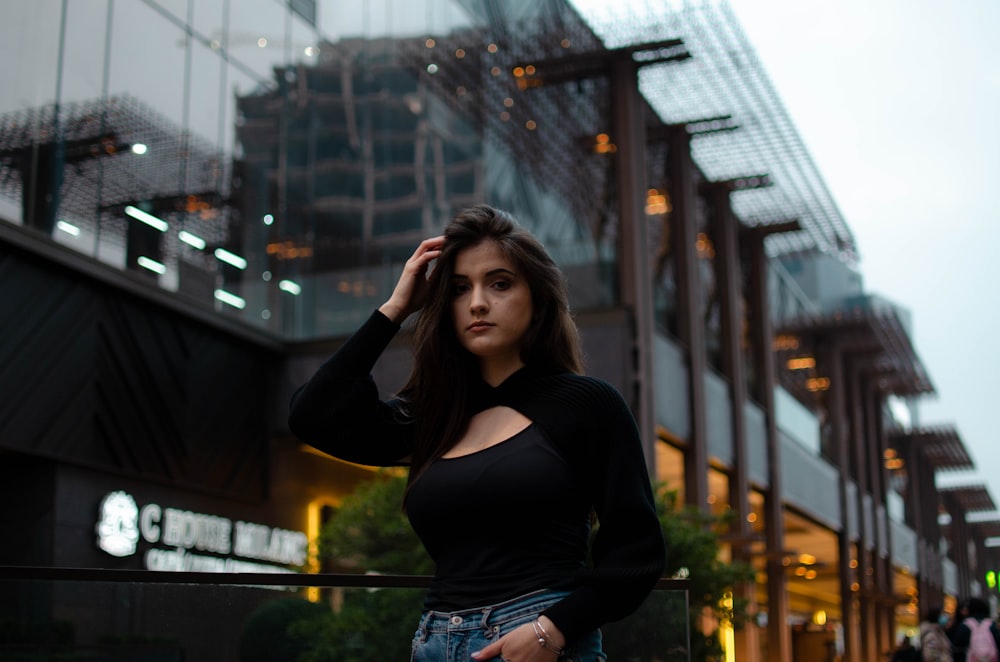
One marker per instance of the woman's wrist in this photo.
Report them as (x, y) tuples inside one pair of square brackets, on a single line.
[(395, 313), (553, 636)]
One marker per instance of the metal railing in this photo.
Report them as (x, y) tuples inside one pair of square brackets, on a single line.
[(132, 615)]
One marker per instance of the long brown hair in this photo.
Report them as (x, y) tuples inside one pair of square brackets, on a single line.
[(443, 373)]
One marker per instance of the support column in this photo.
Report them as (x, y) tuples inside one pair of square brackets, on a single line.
[(874, 444), (779, 634), (683, 225), (960, 545), (858, 468), (832, 361), (635, 277), (725, 231)]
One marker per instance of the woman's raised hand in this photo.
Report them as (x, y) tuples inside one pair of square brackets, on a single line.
[(411, 289)]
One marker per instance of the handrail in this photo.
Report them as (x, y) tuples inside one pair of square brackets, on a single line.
[(323, 579)]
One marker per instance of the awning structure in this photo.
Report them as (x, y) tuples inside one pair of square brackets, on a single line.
[(723, 77), (940, 446), (969, 498), (987, 529), (695, 68), (870, 331)]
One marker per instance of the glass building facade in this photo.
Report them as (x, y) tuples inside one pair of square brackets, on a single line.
[(278, 161)]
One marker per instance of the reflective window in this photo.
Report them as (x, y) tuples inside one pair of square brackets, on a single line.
[(147, 61), (257, 36), (84, 51), (29, 36), (209, 19), (314, 146)]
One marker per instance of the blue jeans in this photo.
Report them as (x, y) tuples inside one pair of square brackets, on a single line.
[(455, 636)]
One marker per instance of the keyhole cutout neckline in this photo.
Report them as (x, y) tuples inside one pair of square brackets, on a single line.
[(489, 428)]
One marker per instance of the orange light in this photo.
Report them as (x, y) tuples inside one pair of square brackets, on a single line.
[(287, 250), (518, 72), (603, 144), (704, 246), (818, 384), (430, 43), (801, 363), (530, 125), (785, 343), (656, 203), (460, 53)]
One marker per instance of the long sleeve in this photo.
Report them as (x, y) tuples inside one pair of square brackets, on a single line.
[(628, 550), (339, 410)]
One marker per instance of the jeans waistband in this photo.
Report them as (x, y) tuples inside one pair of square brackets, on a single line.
[(483, 617)]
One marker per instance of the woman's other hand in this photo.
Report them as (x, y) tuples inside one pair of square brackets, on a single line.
[(521, 644), (411, 289)]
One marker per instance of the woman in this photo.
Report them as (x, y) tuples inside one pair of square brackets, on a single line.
[(511, 451)]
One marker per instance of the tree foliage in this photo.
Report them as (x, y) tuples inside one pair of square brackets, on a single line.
[(692, 537)]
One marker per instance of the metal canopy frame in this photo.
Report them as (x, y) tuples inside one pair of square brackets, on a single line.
[(988, 528), (724, 77), (874, 332), (970, 498), (939, 445)]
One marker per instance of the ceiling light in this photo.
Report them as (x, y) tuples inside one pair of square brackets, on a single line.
[(231, 258), (146, 218)]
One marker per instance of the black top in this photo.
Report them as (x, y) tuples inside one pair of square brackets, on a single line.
[(501, 522), (596, 448)]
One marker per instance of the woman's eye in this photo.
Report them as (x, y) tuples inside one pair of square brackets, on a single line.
[(459, 289), (501, 285)]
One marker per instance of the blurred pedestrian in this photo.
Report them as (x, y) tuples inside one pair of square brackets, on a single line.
[(935, 646), (964, 640)]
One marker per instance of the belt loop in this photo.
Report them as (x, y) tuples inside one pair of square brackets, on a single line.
[(487, 612)]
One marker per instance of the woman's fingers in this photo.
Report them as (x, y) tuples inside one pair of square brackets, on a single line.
[(428, 250), (408, 294)]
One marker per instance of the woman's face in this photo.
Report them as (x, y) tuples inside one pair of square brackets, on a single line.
[(491, 307)]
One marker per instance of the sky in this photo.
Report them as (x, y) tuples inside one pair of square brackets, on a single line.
[(898, 102)]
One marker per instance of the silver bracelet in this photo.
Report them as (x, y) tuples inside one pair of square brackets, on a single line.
[(543, 637)]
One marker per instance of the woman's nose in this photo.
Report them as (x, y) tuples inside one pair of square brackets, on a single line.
[(477, 302)]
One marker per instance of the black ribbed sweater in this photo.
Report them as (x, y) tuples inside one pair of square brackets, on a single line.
[(339, 412)]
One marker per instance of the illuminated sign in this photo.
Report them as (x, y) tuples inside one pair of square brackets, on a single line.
[(181, 538)]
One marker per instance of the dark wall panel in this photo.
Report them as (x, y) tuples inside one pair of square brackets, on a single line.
[(93, 375)]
